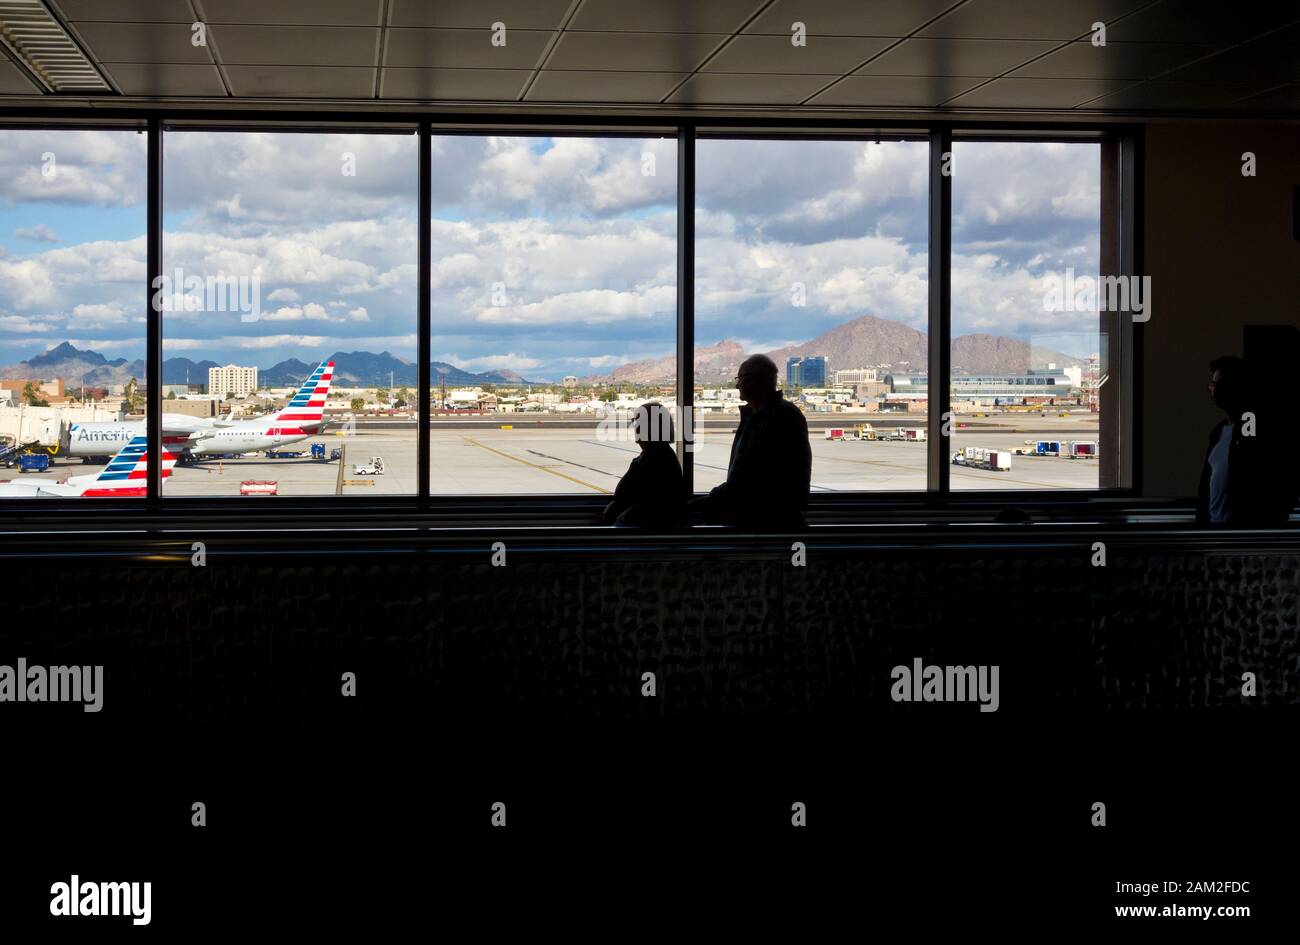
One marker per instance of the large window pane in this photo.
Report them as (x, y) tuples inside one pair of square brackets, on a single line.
[(1028, 358), (72, 313), (554, 308), (815, 253), (290, 315)]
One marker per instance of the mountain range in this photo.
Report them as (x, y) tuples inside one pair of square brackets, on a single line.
[(352, 369), (864, 342)]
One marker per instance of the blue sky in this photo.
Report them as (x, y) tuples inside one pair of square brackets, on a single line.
[(551, 256)]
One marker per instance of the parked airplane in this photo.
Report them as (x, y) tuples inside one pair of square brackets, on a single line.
[(192, 437), (124, 476), (303, 417), (103, 438)]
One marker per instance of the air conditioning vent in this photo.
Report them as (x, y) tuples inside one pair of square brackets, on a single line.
[(40, 43)]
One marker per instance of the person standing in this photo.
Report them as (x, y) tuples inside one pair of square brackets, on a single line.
[(770, 469)]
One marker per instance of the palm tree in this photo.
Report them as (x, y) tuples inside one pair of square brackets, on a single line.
[(33, 397)]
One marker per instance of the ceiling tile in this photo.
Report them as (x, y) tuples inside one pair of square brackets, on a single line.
[(166, 78), (629, 87), (1082, 60), (823, 55), (665, 16), (301, 81), (1202, 21), (515, 14), (296, 45), (719, 88), (1027, 19), (295, 12), (141, 42), (464, 49), (1286, 98), (494, 85), (1037, 93), (644, 52), (983, 57), (1181, 95), (894, 90), (13, 82), (137, 11), (1276, 57), (848, 17)]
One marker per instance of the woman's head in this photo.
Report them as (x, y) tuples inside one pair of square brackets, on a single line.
[(653, 424)]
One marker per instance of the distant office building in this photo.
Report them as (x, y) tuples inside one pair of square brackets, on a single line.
[(232, 379), (805, 372), (192, 408), (855, 376)]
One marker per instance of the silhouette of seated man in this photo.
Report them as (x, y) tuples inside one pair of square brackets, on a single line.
[(652, 491), (771, 459), (1248, 477)]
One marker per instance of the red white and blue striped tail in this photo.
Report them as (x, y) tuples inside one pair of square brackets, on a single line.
[(128, 472), (308, 405)]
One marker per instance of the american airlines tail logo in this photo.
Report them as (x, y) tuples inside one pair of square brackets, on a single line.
[(128, 472), (308, 405)]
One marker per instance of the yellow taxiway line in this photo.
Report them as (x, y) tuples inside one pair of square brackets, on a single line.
[(546, 469)]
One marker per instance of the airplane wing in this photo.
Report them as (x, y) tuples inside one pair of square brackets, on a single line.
[(176, 424)]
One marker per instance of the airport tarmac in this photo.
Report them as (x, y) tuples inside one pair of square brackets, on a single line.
[(505, 458)]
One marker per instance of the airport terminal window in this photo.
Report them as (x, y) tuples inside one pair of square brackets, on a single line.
[(72, 317), (815, 253), (289, 310), (1028, 353), (553, 308), (289, 313)]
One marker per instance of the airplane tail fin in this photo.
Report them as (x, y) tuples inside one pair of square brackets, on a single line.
[(307, 408), (127, 473)]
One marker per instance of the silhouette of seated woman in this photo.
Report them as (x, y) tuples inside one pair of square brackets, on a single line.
[(652, 492)]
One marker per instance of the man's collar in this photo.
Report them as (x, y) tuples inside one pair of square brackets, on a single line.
[(747, 411)]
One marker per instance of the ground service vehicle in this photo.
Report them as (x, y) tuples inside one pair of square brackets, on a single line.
[(34, 462), (977, 457)]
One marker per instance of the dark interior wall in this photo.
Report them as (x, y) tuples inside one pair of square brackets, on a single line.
[(553, 638), (1221, 254)]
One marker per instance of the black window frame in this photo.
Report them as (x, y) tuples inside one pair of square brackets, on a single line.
[(1121, 225)]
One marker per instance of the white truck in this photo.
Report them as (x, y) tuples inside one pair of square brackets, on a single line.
[(977, 457), (373, 468)]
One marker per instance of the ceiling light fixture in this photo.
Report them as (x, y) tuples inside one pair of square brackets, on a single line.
[(44, 48)]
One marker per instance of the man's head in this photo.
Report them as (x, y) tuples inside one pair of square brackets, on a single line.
[(756, 379), (1228, 381), (653, 424)]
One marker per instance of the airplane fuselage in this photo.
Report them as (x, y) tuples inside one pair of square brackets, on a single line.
[(102, 439), (251, 437)]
